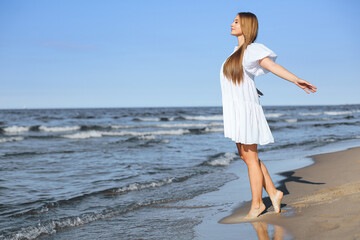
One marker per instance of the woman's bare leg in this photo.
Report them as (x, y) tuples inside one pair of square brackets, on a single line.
[(249, 153), (274, 194)]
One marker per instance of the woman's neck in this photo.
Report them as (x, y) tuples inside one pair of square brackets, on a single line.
[(241, 40)]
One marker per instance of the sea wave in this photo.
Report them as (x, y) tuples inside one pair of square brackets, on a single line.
[(166, 125), (221, 159), (204, 118), (140, 186), (311, 113), (274, 115), (94, 133), (156, 119), (291, 120), (36, 128), (29, 153), (334, 124), (338, 113), (50, 227), (11, 139), (179, 118), (22, 129), (16, 129), (135, 186), (59, 129)]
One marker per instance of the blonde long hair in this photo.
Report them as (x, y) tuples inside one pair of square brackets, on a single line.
[(233, 68)]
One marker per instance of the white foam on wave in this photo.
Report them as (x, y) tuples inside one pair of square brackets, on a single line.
[(149, 119), (169, 125), (214, 117), (291, 120), (139, 186), (274, 115), (189, 125), (310, 113), (16, 129), (214, 129), (83, 135), (11, 139), (155, 119), (223, 160), (59, 129), (51, 227), (146, 137), (94, 133), (338, 113), (328, 140), (160, 132)]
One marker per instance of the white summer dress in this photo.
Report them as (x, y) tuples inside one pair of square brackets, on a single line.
[(243, 116)]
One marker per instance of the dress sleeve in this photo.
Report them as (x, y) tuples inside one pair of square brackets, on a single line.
[(255, 52)]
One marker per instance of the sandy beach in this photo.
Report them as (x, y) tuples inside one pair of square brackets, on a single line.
[(321, 201)]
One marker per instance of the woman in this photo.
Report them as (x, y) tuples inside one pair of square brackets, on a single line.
[(243, 116)]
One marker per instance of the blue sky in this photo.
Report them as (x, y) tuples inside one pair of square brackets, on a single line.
[(86, 53)]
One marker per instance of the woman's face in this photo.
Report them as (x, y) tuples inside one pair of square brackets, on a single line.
[(235, 27)]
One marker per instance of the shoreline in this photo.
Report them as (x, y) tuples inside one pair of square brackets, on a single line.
[(310, 208)]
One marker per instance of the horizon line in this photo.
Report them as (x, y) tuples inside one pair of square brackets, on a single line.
[(281, 105)]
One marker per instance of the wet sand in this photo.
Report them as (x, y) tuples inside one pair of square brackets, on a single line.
[(321, 201)]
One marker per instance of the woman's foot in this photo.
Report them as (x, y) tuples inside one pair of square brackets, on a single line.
[(254, 212), (276, 200)]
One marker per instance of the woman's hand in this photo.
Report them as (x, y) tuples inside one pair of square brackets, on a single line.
[(305, 85)]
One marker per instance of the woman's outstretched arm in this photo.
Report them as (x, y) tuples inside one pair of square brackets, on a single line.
[(285, 74)]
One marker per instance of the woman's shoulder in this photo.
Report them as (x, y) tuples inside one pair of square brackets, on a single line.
[(255, 45), (258, 49)]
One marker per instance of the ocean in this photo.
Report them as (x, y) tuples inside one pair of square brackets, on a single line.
[(127, 173)]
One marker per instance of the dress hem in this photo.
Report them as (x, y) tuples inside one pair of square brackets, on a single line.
[(249, 143)]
